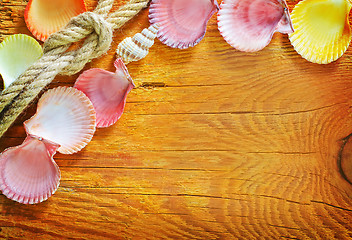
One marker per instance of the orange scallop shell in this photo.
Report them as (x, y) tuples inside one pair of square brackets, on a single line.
[(44, 17)]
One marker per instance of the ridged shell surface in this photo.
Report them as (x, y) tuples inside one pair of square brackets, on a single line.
[(28, 173), (44, 17), (64, 116), (182, 23), (137, 47), (248, 25), (107, 91), (17, 53), (322, 31)]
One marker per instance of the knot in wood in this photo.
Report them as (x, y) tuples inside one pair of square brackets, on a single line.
[(344, 161)]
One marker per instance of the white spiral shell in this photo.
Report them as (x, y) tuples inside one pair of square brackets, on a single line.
[(137, 47)]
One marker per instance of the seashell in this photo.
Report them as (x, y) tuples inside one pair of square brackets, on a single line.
[(64, 116), (107, 91), (322, 31), (28, 173), (45, 17), (248, 25), (17, 53), (137, 47), (182, 23)]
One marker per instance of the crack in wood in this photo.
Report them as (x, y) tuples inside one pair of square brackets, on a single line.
[(286, 227), (331, 205), (263, 113), (152, 84)]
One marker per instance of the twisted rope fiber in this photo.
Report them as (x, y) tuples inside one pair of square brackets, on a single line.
[(97, 27)]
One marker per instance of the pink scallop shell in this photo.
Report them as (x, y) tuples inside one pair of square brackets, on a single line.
[(44, 17), (182, 23), (28, 173), (248, 25), (64, 116), (107, 91)]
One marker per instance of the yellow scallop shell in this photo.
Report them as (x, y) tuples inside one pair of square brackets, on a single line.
[(17, 53), (322, 31)]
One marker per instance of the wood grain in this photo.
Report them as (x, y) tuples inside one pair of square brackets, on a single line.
[(214, 144)]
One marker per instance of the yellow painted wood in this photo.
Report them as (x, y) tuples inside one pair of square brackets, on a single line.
[(214, 144)]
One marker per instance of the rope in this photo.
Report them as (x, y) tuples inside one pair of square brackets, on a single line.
[(97, 29)]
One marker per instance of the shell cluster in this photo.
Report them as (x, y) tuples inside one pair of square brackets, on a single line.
[(64, 122), (318, 29), (137, 47), (66, 118)]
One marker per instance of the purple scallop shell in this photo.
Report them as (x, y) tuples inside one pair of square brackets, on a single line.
[(248, 25), (182, 23)]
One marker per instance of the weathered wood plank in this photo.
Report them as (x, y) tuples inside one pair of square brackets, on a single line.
[(214, 143)]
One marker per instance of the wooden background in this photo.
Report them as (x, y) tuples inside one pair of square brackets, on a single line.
[(214, 144)]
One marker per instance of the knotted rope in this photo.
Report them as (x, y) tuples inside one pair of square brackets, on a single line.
[(97, 27)]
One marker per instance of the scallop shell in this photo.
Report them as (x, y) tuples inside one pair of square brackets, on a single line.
[(137, 47), (28, 173), (107, 91), (182, 23), (248, 25), (322, 31), (17, 53), (45, 17), (64, 116)]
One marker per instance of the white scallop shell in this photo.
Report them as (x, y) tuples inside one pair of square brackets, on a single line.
[(65, 116), (28, 173), (137, 47)]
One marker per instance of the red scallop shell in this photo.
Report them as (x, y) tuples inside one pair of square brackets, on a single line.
[(107, 91), (28, 173)]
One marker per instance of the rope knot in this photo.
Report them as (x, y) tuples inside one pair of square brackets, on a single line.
[(89, 25)]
